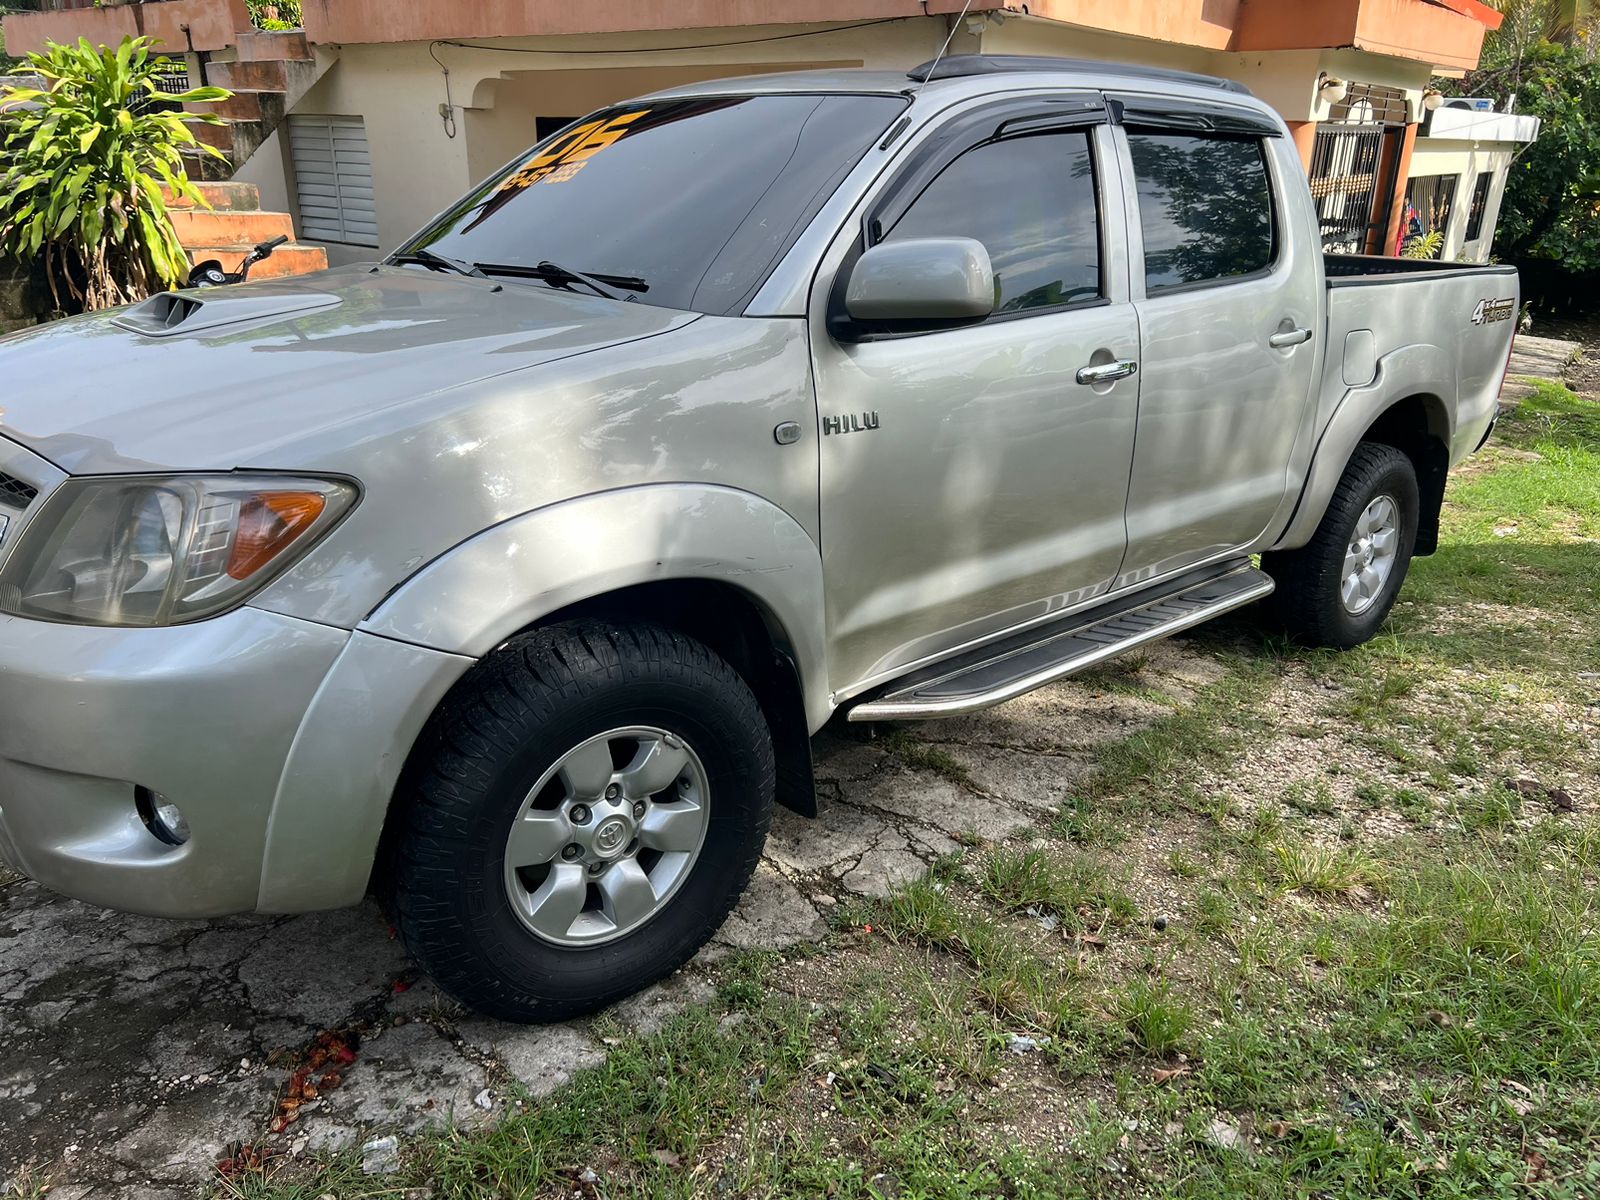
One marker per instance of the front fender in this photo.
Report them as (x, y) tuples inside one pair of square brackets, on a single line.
[(1416, 370), (506, 578)]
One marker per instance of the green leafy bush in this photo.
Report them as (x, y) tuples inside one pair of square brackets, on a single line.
[(1545, 56), (85, 162)]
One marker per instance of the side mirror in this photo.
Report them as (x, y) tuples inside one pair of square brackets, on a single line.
[(918, 284), (207, 274)]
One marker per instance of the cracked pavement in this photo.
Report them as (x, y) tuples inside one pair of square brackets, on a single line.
[(135, 1051)]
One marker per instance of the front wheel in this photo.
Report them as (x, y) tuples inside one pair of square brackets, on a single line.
[(584, 812), (1337, 589)]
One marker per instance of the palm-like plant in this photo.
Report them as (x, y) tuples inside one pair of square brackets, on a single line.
[(85, 161), (1528, 23)]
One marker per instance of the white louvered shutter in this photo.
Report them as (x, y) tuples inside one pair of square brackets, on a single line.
[(333, 178)]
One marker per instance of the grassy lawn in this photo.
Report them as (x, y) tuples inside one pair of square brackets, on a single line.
[(1327, 929)]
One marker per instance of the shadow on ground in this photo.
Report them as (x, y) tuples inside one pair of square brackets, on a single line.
[(134, 1051)]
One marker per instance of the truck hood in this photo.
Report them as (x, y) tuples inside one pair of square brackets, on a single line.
[(217, 379)]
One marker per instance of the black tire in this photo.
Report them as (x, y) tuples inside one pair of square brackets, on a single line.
[(1308, 602), (508, 722)]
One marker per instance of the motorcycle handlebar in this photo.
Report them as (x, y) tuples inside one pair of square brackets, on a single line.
[(269, 247)]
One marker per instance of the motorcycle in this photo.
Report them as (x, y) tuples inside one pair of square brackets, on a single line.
[(209, 274)]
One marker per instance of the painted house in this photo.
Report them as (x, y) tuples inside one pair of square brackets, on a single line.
[(374, 116)]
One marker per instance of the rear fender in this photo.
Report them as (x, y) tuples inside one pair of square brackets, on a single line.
[(1417, 370)]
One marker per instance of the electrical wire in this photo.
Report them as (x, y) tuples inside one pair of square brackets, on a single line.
[(448, 109), (776, 37)]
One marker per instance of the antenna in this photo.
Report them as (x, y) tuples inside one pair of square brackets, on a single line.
[(948, 38)]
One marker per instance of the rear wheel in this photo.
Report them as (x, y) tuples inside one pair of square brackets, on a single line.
[(1337, 589), (584, 812)]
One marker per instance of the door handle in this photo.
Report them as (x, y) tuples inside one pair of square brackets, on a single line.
[(1107, 372), (1289, 337)]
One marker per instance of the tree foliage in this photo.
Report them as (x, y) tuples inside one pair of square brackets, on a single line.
[(85, 160), (1552, 201)]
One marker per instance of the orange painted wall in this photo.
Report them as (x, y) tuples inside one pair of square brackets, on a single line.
[(337, 21), (1305, 140), (1447, 32), (1206, 23), (1414, 29), (213, 24)]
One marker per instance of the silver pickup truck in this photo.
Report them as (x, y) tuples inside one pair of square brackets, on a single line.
[(511, 576)]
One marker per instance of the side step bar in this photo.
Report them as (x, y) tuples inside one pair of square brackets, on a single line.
[(1007, 669)]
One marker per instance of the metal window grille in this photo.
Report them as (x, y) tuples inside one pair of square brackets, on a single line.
[(1370, 104), (172, 79), (1347, 167), (1480, 205)]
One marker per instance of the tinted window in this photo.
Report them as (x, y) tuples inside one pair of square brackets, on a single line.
[(695, 198), (1031, 202), (1205, 206)]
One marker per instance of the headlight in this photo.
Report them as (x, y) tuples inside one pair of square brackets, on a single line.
[(146, 550)]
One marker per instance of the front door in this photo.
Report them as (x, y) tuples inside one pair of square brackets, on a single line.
[(1228, 320), (969, 482)]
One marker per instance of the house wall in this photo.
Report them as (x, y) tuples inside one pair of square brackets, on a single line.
[(176, 26), (419, 169), (498, 91), (1444, 156)]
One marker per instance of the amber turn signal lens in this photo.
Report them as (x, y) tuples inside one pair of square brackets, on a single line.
[(268, 523)]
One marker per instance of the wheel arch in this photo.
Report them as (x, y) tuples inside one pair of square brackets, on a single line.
[(1407, 407), (715, 563)]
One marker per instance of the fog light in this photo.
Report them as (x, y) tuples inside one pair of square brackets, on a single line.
[(161, 817)]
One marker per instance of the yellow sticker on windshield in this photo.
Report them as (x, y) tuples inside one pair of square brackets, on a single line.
[(571, 152)]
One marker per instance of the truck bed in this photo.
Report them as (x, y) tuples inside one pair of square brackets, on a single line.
[(1348, 269), (1439, 328)]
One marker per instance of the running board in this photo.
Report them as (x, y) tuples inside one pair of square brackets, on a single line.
[(1007, 669)]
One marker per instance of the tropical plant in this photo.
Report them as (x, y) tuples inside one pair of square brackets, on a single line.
[(1425, 245), (1527, 25), (86, 159)]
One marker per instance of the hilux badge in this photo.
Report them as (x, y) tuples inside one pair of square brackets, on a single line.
[(853, 423)]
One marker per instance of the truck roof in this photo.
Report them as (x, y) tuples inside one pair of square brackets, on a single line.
[(966, 73)]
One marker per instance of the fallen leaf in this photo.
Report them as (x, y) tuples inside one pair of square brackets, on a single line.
[(1538, 1166)]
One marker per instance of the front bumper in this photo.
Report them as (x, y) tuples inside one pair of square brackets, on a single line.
[(206, 714)]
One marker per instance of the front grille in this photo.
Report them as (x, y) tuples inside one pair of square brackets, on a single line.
[(16, 493)]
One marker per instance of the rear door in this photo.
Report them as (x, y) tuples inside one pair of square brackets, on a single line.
[(1228, 305), (969, 481)]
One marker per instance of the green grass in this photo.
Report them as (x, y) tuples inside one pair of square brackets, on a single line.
[(1411, 1014)]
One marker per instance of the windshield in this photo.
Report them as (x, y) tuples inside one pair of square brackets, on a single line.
[(680, 203)]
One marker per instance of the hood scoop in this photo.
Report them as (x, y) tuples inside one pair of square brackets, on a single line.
[(171, 313)]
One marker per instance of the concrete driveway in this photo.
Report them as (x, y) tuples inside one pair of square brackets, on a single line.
[(135, 1054)]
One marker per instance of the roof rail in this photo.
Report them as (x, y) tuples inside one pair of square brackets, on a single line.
[(958, 65)]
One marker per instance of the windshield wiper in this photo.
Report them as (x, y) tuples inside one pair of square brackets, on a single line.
[(432, 258), (609, 286)]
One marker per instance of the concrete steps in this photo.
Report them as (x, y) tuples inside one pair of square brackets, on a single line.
[(293, 259), (196, 227), (224, 195), (233, 225), (268, 73), (1535, 358)]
